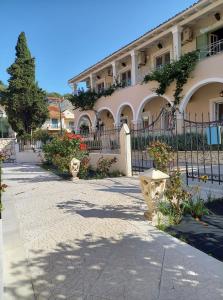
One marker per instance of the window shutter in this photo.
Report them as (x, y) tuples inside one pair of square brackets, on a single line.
[(202, 44)]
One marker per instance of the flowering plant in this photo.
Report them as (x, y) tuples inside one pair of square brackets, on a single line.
[(61, 150)]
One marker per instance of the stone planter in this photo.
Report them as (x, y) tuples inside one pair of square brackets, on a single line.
[(153, 184), (74, 168)]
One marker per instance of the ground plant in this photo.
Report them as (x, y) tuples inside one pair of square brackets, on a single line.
[(104, 165), (60, 151), (178, 201)]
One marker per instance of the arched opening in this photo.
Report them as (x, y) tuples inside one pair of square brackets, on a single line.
[(206, 103), (105, 119), (84, 124), (150, 111), (125, 115)]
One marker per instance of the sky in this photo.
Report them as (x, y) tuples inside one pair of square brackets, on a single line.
[(68, 36)]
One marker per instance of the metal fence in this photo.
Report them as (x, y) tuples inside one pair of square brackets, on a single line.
[(197, 145), (102, 140), (29, 145)]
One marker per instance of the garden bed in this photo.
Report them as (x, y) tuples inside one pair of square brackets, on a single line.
[(205, 235), (92, 174)]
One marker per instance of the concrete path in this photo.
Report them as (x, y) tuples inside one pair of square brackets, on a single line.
[(88, 240)]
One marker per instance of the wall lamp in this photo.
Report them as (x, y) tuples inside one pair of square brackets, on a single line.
[(221, 93), (217, 16), (160, 46)]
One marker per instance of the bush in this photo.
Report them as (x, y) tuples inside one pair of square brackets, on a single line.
[(196, 208), (61, 150), (162, 155), (42, 135), (181, 142), (84, 168), (104, 165)]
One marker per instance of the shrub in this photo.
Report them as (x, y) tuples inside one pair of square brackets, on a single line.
[(42, 135), (61, 150), (162, 155), (84, 168), (175, 194), (196, 208), (104, 165)]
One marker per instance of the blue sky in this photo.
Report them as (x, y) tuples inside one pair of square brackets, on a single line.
[(67, 36)]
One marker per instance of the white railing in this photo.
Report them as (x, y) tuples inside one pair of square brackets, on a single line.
[(212, 49)]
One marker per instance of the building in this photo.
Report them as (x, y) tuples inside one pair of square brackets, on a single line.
[(198, 27), (61, 115)]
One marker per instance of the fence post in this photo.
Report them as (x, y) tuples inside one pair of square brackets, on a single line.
[(125, 150), (180, 123)]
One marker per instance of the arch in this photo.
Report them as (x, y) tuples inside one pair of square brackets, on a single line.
[(100, 110), (196, 87), (146, 100), (119, 110), (84, 115)]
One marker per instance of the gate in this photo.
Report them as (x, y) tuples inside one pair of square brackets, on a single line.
[(197, 145), (162, 128), (203, 149)]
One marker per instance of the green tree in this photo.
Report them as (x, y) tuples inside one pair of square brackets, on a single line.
[(53, 95), (2, 86), (24, 101)]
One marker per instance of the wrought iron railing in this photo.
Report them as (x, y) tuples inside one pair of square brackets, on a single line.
[(211, 49)]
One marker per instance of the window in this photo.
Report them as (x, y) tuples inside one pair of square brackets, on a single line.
[(162, 60), (126, 78), (71, 125), (101, 87), (54, 123), (219, 111)]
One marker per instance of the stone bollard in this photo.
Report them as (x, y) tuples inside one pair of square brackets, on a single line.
[(74, 168), (153, 183)]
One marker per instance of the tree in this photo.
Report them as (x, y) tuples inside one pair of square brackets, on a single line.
[(2, 86), (53, 95), (25, 103)]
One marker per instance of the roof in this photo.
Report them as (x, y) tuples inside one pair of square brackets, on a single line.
[(138, 39), (53, 108)]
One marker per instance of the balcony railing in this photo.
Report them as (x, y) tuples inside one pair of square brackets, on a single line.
[(212, 49)]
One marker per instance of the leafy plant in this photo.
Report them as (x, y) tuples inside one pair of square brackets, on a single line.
[(61, 150), (84, 168), (85, 100), (196, 207), (161, 154), (104, 165), (178, 71), (175, 193), (41, 135)]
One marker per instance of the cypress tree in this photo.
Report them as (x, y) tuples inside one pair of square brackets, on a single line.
[(25, 103)]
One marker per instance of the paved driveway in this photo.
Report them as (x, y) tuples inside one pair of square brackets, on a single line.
[(89, 240)]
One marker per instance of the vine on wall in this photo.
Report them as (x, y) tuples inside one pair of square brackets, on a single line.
[(85, 100), (178, 71)]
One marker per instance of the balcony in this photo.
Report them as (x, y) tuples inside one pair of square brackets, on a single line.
[(211, 49)]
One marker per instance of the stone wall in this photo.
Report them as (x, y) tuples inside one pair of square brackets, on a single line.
[(7, 146)]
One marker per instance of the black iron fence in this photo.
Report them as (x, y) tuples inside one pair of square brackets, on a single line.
[(197, 143), (29, 145), (102, 140)]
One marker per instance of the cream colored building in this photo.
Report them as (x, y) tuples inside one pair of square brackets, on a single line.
[(198, 27)]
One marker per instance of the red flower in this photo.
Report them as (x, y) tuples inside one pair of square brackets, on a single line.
[(83, 147), (72, 136)]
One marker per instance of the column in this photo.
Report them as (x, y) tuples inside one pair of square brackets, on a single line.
[(176, 31), (114, 71), (92, 81), (134, 70), (179, 122)]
